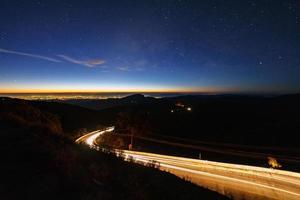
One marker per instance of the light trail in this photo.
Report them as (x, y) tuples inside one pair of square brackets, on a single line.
[(90, 138), (233, 180), (220, 177)]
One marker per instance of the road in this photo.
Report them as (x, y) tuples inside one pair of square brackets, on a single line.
[(236, 181), (227, 151)]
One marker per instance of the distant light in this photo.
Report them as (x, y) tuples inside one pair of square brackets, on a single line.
[(189, 109), (172, 111), (179, 104), (273, 163)]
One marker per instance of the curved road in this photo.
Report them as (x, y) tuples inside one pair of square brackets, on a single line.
[(236, 181)]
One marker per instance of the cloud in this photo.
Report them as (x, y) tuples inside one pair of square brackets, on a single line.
[(28, 55), (133, 66), (87, 63), (124, 68)]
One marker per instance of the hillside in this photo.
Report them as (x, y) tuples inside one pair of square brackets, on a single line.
[(41, 162), (238, 119)]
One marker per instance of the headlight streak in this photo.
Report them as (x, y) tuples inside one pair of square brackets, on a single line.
[(224, 178)]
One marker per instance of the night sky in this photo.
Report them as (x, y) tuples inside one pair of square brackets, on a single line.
[(179, 45)]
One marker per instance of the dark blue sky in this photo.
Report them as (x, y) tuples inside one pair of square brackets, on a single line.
[(240, 46)]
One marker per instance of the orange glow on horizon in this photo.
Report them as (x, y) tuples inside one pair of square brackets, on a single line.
[(112, 90)]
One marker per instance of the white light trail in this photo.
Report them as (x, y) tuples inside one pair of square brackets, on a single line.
[(239, 181)]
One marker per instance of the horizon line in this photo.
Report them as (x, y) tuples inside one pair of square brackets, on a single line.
[(182, 90), (157, 92)]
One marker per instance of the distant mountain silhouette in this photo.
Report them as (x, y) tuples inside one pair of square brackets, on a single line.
[(100, 104), (238, 119), (138, 99)]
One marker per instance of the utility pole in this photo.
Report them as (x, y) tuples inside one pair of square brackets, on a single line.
[(131, 143)]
